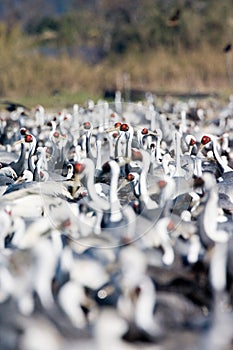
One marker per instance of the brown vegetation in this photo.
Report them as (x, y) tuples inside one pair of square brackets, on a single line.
[(25, 72)]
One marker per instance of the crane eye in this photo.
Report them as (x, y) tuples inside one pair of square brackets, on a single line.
[(117, 125), (124, 127), (23, 131), (205, 139), (79, 167), (130, 177), (28, 138), (87, 125), (192, 142), (144, 131)]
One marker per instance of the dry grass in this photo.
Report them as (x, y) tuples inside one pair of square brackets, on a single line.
[(26, 73), (202, 70)]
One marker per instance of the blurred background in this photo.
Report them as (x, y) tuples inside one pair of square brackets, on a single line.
[(76, 48)]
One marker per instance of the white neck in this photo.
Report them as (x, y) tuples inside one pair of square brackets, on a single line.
[(222, 164), (115, 206), (129, 137), (210, 218), (197, 170), (144, 195), (98, 155), (99, 202), (158, 149), (179, 172)]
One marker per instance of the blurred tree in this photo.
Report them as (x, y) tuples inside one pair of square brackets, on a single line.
[(41, 25), (119, 26)]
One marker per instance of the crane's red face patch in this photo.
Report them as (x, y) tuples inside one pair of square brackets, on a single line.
[(28, 138), (192, 142), (130, 177), (171, 226), (144, 131), (136, 155), (87, 125), (162, 183), (115, 135), (205, 139), (56, 134), (117, 125), (124, 127), (79, 168)]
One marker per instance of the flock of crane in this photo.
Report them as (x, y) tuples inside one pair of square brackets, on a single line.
[(116, 225)]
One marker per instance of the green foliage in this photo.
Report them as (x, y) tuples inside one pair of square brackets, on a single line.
[(119, 26)]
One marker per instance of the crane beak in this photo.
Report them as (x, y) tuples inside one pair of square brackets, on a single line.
[(200, 148), (76, 184), (152, 133), (123, 160), (18, 142), (123, 184), (19, 180), (190, 149), (112, 129)]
